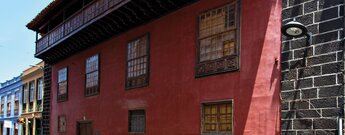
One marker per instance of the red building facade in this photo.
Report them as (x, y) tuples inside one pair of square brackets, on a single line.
[(174, 89)]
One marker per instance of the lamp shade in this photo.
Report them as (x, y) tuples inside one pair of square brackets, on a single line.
[(294, 29)]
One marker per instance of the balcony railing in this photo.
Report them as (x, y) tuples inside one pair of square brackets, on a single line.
[(80, 18)]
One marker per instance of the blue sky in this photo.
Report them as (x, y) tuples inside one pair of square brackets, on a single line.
[(17, 46)]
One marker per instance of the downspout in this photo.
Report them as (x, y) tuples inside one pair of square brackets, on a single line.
[(341, 118)]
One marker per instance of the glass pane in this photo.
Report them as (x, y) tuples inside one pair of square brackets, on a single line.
[(62, 88), (207, 110), (216, 21), (225, 127), (62, 74), (92, 63), (217, 117), (137, 61), (32, 88), (214, 110), (217, 46)]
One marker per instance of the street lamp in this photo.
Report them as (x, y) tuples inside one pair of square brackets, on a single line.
[(296, 29)]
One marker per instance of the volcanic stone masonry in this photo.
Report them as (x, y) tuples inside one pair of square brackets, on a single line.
[(312, 86)]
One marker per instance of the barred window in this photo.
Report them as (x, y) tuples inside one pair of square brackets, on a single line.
[(217, 49), (217, 118), (62, 84), (138, 62), (84, 128), (92, 76), (136, 121)]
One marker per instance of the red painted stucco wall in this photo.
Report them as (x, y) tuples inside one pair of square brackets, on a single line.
[(172, 100)]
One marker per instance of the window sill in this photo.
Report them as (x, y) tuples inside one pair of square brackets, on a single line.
[(216, 133), (136, 132)]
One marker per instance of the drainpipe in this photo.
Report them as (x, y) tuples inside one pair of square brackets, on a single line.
[(341, 118), (340, 126)]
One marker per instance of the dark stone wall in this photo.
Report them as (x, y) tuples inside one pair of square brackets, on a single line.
[(46, 99), (312, 87)]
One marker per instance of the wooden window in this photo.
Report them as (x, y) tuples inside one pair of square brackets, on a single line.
[(16, 102), (62, 123), (136, 121), (25, 97), (217, 118), (39, 96), (92, 76), (31, 95), (32, 91), (217, 48), (62, 84), (84, 128), (3, 105), (25, 93), (9, 105), (39, 89), (138, 63)]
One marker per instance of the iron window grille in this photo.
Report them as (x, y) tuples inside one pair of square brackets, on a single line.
[(136, 121), (62, 85), (138, 63), (217, 41), (84, 128), (92, 76)]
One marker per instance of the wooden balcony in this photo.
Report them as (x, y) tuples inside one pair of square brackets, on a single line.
[(76, 21), (98, 21)]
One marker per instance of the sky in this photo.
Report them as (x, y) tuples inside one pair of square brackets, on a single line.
[(17, 43)]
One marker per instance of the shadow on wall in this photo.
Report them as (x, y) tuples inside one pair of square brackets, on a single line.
[(260, 71)]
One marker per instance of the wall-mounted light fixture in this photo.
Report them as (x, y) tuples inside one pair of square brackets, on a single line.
[(296, 29)]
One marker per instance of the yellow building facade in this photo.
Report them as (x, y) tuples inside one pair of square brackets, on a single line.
[(32, 100)]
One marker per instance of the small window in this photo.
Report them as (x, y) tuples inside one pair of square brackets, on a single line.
[(92, 76), (62, 85), (136, 121), (217, 48), (217, 118), (84, 128), (138, 62), (62, 123)]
